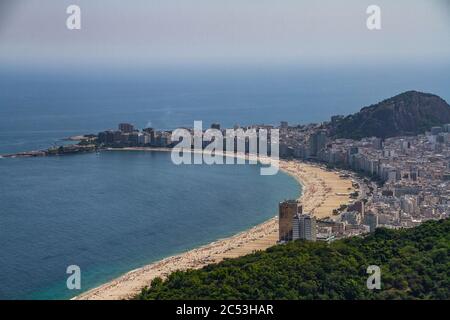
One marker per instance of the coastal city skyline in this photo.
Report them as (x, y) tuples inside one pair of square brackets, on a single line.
[(398, 186), (224, 156), (389, 182)]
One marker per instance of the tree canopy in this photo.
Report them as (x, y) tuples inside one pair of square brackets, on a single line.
[(414, 265)]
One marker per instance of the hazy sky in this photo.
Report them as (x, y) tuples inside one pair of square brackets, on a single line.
[(152, 32)]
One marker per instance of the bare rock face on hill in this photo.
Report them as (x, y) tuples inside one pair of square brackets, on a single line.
[(409, 113)]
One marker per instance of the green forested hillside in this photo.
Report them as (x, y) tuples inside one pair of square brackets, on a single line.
[(415, 265), (409, 113)]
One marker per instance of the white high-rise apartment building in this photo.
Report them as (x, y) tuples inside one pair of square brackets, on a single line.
[(304, 227)]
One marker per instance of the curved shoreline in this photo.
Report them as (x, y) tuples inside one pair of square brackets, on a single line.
[(321, 192)]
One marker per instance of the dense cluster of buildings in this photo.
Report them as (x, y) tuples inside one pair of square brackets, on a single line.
[(128, 136), (404, 181)]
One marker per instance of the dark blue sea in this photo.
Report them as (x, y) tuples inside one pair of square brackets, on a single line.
[(116, 211), (38, 108)]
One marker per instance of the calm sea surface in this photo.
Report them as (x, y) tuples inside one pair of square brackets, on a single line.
[(38, 109), (116, 211)]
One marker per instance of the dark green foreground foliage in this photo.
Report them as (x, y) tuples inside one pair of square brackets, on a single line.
[(415, 265)]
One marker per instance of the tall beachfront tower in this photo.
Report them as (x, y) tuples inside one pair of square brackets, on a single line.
[(304, 227), (287, 211)]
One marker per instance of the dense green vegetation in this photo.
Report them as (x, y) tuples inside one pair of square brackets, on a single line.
[(409, 113), (414, 262)]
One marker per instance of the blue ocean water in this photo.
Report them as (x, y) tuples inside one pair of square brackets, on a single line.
[(113, 212), (37, 109), (116, 211)]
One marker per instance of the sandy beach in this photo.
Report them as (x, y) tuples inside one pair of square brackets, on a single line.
[(323, 191)]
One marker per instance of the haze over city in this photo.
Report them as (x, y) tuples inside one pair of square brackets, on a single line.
[(173, 32)]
